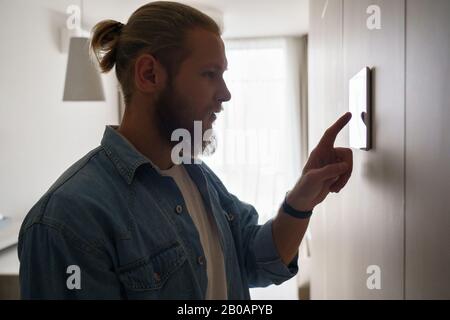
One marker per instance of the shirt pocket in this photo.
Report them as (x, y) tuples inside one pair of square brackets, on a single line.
[(158, 275)]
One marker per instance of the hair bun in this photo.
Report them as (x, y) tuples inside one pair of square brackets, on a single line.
[(105, 38)]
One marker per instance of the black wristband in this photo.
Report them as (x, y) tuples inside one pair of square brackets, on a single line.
[(295, 213)]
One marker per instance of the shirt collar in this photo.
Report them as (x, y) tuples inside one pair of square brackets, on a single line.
[(126, 158), (124, 155)]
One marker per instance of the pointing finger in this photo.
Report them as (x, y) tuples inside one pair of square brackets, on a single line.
[(330, 135)]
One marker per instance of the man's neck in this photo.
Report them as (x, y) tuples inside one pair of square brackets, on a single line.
[(142, 132)]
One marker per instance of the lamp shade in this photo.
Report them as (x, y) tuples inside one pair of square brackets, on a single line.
[(83, 81)]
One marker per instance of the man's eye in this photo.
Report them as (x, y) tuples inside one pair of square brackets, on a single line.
[(210, 74)]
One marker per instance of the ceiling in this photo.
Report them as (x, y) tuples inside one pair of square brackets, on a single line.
[(242, 18)]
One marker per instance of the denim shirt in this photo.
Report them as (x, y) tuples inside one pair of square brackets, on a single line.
[(112, 227)]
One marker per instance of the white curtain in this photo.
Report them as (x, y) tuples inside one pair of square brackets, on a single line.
[(262, 134)]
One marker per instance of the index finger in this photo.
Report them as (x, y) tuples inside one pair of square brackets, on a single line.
[(330, 135)]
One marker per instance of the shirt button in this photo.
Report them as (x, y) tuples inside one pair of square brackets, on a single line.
[(201, 260), (178, 209)]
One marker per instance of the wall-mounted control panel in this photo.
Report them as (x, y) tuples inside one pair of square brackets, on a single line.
[(359, 101)]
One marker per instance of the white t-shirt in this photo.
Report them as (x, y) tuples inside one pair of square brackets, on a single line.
[(206, 226)]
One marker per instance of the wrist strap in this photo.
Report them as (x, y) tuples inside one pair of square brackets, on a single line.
[(295, 213)]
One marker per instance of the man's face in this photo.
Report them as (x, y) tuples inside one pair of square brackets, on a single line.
[(197, 91)]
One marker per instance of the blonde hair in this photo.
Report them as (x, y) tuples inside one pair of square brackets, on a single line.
[(158, 28)]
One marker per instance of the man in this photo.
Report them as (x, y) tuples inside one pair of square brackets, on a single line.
[(127, 222)]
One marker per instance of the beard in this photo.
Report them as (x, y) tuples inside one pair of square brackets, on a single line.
[(172, 114)]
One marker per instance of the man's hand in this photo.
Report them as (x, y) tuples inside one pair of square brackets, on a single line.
[(327, 170)]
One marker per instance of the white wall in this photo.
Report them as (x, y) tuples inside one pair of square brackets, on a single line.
[(40, 135)]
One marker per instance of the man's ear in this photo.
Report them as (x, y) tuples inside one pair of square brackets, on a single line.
[(149, 74)]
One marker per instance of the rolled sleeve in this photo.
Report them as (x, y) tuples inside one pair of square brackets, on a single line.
[(268, 258)]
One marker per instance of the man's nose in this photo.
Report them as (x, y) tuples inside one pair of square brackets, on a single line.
[(224, 94)]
